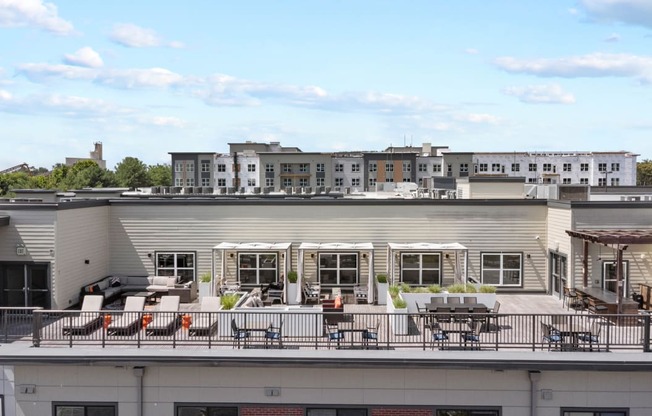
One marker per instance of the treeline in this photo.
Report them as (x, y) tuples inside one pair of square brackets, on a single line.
[(129, 173)]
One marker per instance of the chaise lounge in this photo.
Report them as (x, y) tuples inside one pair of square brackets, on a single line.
[(128, 322), (166, 320), (88, 320)]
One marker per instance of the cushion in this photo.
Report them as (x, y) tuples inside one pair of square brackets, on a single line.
[(114, 282), (171, 281), (338, 302), (102, 284)]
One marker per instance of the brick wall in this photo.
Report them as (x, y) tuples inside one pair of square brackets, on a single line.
[(271, 411)]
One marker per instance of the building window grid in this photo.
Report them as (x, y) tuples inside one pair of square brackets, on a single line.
[(584, 167), (339, 167), (436, 168), (389, 167), (287, 182), (495, 167), (502, 269), (464, 167), (190, 181), (338, 268), (205, 166), (257, 268), (319, 181), (615, 181), (304, 182), (86, 409), (516, 167), (532, 167), (422, 167), (584, 181), (421, 268), (269, 167), (286, 168), (483, 167), (355, 167), (547, 167), (407, 167), (251, 182), (602, 167), (339, 181), (566, 181), (178, 181), (269, 181), (373, 167), (615, 167), (190, 166), (221, 182), (320, 167), (205, 181), (181, 264), (178, 166), (567, 167), (355, 181)]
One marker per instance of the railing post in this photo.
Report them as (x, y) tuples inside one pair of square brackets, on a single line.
[(36, 329), (5, 327), (646, 333), (534, 332)]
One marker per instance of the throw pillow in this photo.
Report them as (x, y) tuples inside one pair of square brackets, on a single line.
[(114, 282)]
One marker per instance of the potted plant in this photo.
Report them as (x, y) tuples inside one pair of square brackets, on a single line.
[(292, 288), (381, 288), (204, 286), (397, 308)]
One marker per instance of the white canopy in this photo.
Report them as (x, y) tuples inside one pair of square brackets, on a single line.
[(460, 272), (253, 246), (336, 246), (426, 246)]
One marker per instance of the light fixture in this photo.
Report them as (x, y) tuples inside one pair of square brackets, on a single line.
[(536, 237), (231, 255), (528, 255), (643, 256), (149, 255), (87, 261), (312, 255), (364, 255), (448, 255)]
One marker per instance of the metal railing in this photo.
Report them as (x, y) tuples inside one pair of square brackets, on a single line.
[(16, 323), (317, 330)]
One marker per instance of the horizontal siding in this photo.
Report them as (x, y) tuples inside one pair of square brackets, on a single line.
[(136, 230), (34, 229), (81, 234)]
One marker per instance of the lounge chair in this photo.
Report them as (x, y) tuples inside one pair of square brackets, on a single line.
[(204, 322), (166, 320), (88, 320), (128, 322)]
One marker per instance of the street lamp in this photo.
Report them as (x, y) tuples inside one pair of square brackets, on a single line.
[(606, 174)]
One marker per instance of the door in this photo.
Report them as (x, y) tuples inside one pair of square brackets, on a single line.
[(25, 285), (610, 278), (558, 278)]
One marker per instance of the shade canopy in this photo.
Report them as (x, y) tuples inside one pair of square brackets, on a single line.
[(622, 236), (252, 246), (336, 246), (426, 246)]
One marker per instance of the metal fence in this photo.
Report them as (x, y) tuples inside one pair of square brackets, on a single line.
[(17, 323), (325, 330)]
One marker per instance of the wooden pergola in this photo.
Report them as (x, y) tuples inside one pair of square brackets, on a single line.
[(620, 240)]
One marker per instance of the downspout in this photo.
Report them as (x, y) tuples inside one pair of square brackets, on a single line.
[(139, 372), (535, 377)]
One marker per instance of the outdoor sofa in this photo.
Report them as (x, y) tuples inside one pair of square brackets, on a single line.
[(112, 287)]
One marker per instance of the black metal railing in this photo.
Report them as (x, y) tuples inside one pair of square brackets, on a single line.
[(331, 330), (16, 323)]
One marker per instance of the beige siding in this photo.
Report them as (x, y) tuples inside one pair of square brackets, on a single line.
[(81, 234), (487, 190), (33, 228), (136, 230)]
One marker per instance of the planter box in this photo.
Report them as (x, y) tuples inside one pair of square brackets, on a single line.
[(381, 293), (298, 320), (292, 294), (204, 289), (398, 319)]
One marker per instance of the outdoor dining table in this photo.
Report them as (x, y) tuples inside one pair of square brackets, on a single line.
[(433, 307), (351, 327), (569, 330)]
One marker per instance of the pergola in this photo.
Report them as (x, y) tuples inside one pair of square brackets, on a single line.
[(283, 248), (461, 253), (618, 239), (335, 247)]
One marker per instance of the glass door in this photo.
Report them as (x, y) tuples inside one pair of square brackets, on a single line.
[(25, 285), (610, 278), (558, 278), (14, 288)]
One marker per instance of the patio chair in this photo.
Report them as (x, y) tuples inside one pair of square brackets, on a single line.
[(443, 314), (592, 337), (370, 334), (453, 300), (310, 294), (129, 321), (596, 306), (550, 336), (493, 316), (437, 300), (333, 333), (89, 318), (471, 299), (570, 297), (438, 336), (461, 315), (472, 337), (204, 322), (166, 321), (273, 333), (479, 315), (238, 334)]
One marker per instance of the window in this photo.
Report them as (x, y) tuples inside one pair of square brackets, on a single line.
[(567, 167), (221, 181), (251, 182), (407, 180), (615, 181), (286, 168), (389, 167), (501, 269), (190, 181), (436, 168), (287, 181), (516, 167), (422, 167), (221, 167), (339, 181), (205, 166), (178, 181), (336, 412), (532, 167), (389, 179), (180, 264), (205, 181), (355, 167), (190, 166), (584, 181), (566, 181), (257, 268), (321, 167), (202, 410), (304, 182), (355, 181), (495, 167), (593, 412), (320, 181), (531, 180), (547, 167), (269, 167), (464, 167), (615, 167), (372, 181), (584, 167), (421, 268), (251, 167), (602, 182), (304, 167), (602, 167), (483, 167), (269, 181), (178, 166), (407, 167), (87, 409), (339, 167), (338, 268), (373, 167), (466, 412)]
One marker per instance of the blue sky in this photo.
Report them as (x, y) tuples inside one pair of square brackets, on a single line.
[(150, 77)]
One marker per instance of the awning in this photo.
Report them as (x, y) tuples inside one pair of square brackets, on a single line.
[(632, 236), (4, 220), (426, 246), (336, 246), (252, 246)]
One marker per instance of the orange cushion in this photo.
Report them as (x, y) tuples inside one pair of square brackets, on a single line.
[(338, 302)]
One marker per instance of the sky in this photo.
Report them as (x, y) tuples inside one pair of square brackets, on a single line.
[(150, 77)]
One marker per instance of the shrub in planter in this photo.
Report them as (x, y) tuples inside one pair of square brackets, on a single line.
[(421, 289), (292, 276), (399, 303), (393, 291), (381, 278), (487, 289), (470, 289), (456, 288), (228, 301), (405, 288), (205, 278), (434, 289)]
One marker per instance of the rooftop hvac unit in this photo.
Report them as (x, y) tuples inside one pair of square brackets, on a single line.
[(319, 190), (175, 190), (221, 190), (347, 191), (197, 190), (242, 190), (187, 190), (298, 190), (156, 189), (337, 189), (267, 189), (327, 190), (307, 190), (165, 190), (256, 189), (288, 190)]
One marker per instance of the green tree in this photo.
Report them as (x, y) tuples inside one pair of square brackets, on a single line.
[(132, 173), (160, 175), (15, 180), (87, 174), (644, 172)]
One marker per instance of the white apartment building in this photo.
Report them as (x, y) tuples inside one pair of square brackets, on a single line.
[(349, 172)]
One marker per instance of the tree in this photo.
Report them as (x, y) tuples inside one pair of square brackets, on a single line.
[(132, 173), (87, 174), (644, 172), (160, 175)]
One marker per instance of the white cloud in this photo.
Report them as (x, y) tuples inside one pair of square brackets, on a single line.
[(636, 12), (614, 37), (586, 66), (541, 94), (471, 51), (63, 105), (162, 121), (20, 13), (132, 36), (85, 57), (477, 118), (5, 95)]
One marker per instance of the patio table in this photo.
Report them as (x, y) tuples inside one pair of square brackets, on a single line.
[(351, 327)]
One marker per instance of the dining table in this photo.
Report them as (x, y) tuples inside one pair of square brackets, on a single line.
[(569, 330), (352, 327)]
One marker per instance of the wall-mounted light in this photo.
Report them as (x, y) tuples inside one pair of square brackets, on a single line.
[(21, 250), (643, 256), (87, 261), (231, 255), (364, 255), (312, 255), (149, 255), (536, 237), (448, 256), (528, 255)]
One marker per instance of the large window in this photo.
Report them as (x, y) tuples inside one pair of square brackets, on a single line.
[(257, 268), (467, 412), (198, 410), (87, 409), (338, 268), (336, 412), (176, 264), (421, 268), (502, 269), (594, 412)]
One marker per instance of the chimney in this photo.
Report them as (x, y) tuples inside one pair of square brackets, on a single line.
[(97, 153)]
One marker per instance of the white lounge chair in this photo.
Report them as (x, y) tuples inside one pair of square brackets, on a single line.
[(129, 320), (204, 322), (166, 319), (89, 318)]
